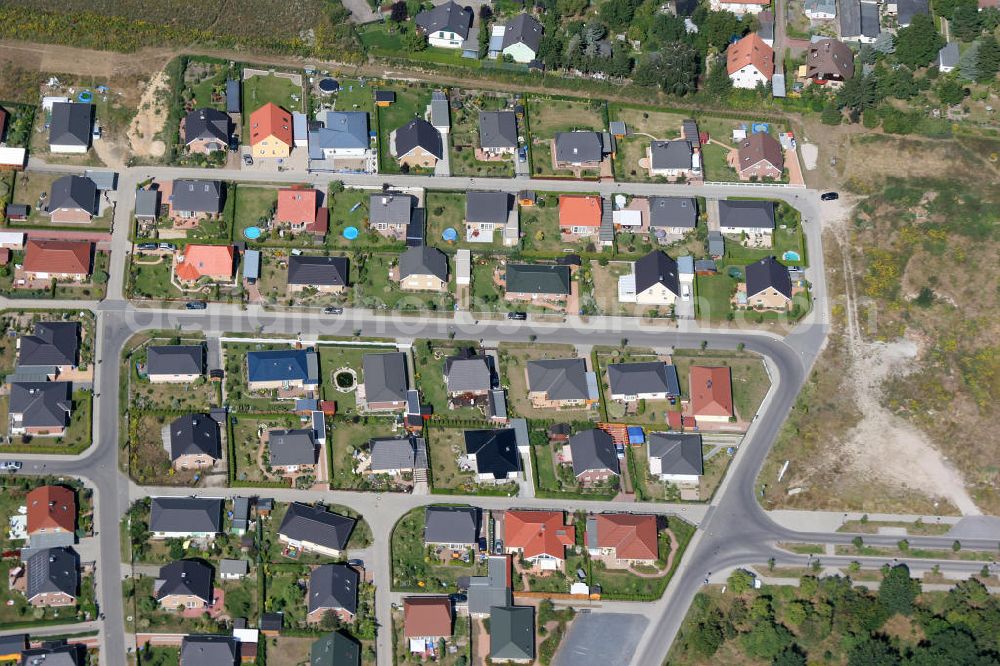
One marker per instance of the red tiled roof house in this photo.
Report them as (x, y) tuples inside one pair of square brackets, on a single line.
[(297, 208), (541, 537), (711, 392), (580, 216), (624, 538), (57, 260), (51, 510), (214, 262), (426, 620)]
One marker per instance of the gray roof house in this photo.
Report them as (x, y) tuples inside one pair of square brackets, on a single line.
[(335, 649), (385, 377), (73, 192), (52, 571), (234, 103), (175, 360), (512, 633), (54, 343), (491, 590), (147, 204), (548, 279), (423, 260), (488, 207), (593, 450), (948, 57), (418, 133), (185, 578), (466, 373), (185, 515), (447, 17), (345, 130), (440, 111), (70, 125), (768, 273), (207, 124), (54, 653), (315, 524), (581, 147), (333, 587), (559, 379), (233, 569), (289, 448), (657, 268), (671, 154), (716, 244), (820, 8), (677, 453), (741, 214), (40, 405), (391, 208), (907, 9), (454, 525), (197, 196), (642, 379), (195, 434), (394, 454), (322, 271), (497, 130), (209, 650), (523, 29), (673, 212)]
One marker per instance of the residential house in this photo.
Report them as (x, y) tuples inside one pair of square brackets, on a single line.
[(326, 275), (522, 36), (624, 538), (649, 380), (455, 527), (740, 7), (335, 649), (172, 364), (297, 207), (829, 62), (389, 213), (53, 577), (820, 10), (58, 260), (282, 369), (907, 9), (51, 519), (233, 569), (580, 149), (216, 263), (196, 199), (333, 588), (540, 537), (40, 409), (859, 20), (208, 650), (397, 455), (385, 381), (54, 653), (768, 285), (494, 454), (497, 133), (674, 159), (537, 282), (417, 144), (292, 451), (948, 58), (54, 346), (561, 383), (656, 279), (70, 127), (72, 200), (315, 530), (345, 135), (468, 378), (184, 585), (426, 621), (195, 442), (206, 131), (271, 132), (580, 216), (750, 62), (675, 216), (711, 392), (446, 25), (486, 212), (753, 220), (12, 645), (675, 457), (512, 634), (185, 518), (493, 589), (423, 268), (593, 455)]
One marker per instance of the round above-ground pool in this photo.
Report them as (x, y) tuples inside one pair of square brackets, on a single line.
[(350, 233), (85, 96), (252, 233), (449, 235), (329, 85), (790, 255)]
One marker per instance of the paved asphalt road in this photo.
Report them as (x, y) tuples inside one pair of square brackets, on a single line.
[(733, 530)]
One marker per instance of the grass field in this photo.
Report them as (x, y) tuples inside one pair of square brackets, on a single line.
[(255, 206), (377, 290), (444, 446), (259, 90), (411, 101), (540, 226), (352, 96), (343, 214)]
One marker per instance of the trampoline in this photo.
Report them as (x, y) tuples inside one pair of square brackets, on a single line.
[(85, 96), (449, 235), (252, 233), (351, 233)]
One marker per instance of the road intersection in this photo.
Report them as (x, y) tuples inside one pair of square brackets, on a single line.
[(733, 530)]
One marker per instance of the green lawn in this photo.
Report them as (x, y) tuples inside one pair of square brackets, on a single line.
[(345, 439), (255, 206), (411, 100), (419, 568), (332, 359), (713, 294), (158, 656), (714, 164), (286, 594), (259, 90), (540, 226), (152, 281), (204, 78), (429, 361), (377, 290), (465, 138), (343, 214), (548, 116), (352, 96), (247, 445), (749, 377), (447, 210), (444, 446)]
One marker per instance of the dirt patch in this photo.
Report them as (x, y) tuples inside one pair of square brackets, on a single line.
[(150, 119)]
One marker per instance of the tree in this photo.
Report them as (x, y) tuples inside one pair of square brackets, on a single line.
[(898, 591), (873, 651), (485, 13), (858, 93), (766, 640), (968, 63), (398, 12), (571, 7), (674, 69), (414, 41), (618, 14), (740, 581), (707, 638), (717, 28), (966, 24), (988, 62), (950, 91), (790, 656), (831, 115), (918, 43)]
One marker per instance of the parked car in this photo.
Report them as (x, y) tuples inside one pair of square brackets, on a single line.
[(522, 154), (146, 246), (248, 160), (517, 316), (482, 544), (829, 196), (333, 310), (296, 252), (685, 293), (458, 598), (356, 563), (10, 466), (196, 305), (498, 546), (167, 246)]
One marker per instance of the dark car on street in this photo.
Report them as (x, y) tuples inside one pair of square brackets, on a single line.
[(829, 196), (196, 305)]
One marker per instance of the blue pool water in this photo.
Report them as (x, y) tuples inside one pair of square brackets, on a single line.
[(252, 233), (790, 255), (350, 233)]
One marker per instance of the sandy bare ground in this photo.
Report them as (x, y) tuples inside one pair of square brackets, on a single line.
[(150, 119)]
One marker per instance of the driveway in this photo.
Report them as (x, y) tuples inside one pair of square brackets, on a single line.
[(600, 638), (443, 166), (361, 11)]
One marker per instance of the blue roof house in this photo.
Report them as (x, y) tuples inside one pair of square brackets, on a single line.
[(344, 134), (282, 369)]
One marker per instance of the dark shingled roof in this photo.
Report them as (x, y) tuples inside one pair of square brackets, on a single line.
[(333, 586), (207, 124), (194, 434), (418, 132), (538, 279), (449, 17), (73, 192), (317, 525), (679, 453), (185, 514), (559, 379), (768, 273), (497, 129), (512, 633), (451, 524), (523, 29), (291, 447), (52, 570), (423, 260), (326, 271), (53, 343), (54, 654), (185, 577), (574, 147), (41, 404), (197, 196), (209, 650), (489, 207), (746, 214), (70, 124), (175, 360), (673, 212), (385, 377), (593, 450), (495, 451), (648, 377), (656, 268), (335, 649)]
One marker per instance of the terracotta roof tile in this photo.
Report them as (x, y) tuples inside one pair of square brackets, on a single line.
[(711, 391), (634, 537), (51, 508), (214, 261), (58, 257), (579, 211), (426, 616), (270, 120), (538, 533), (296, 206), (751, 50)]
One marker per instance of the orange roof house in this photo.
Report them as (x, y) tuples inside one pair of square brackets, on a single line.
[(270, 131), (296, 206), (579, 214), (427, 617), (211, 261), (750, 61), (538, 535), (58, 258), (711, 393), (51, 509), (627, 536)]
